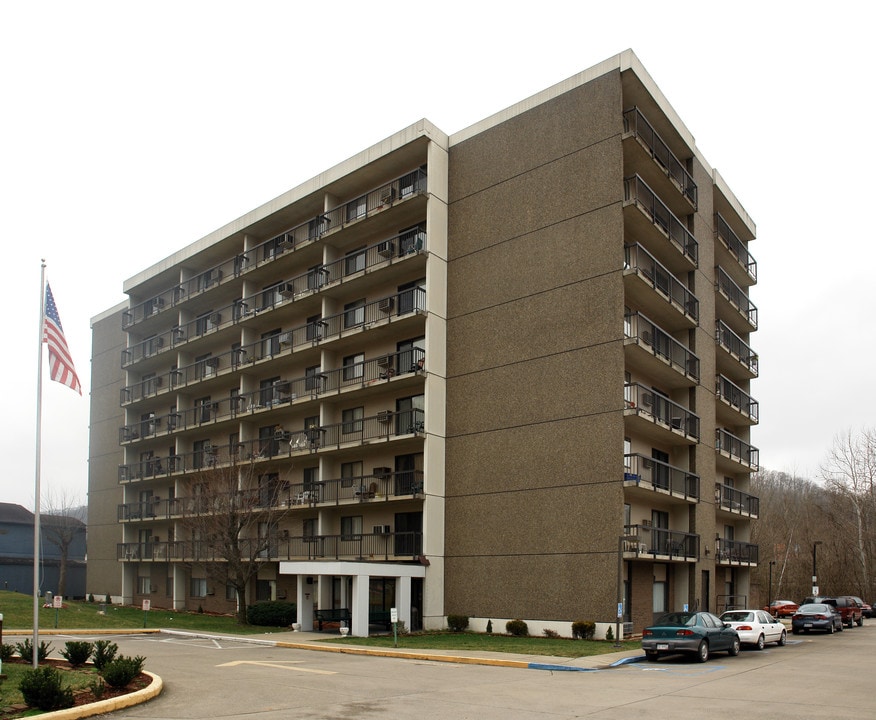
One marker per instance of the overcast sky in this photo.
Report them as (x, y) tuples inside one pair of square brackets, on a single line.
[(129, 130)]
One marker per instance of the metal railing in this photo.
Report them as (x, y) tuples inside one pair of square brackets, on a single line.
[(402, 188), (658, 277), (637, 191), (729, 498), (645, 540), (734, 396), (635, 123), (737, 297), (644, 471), (736, 552), (659, 342), (650, 404), (736, 346), (736, 449), (737, 248)]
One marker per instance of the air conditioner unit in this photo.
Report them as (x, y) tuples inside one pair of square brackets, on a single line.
[(285, 242), (158, 341), (384, 416), (387, 195), (211, 277), (384, 361), (286, 338), (212, 362), (178, 334), (385, 248), (215, 318), (382, 530), (286, 289), (647, 463), (157, 382), (647, 399), (382, 473), (208, 447), (387, 304), (646, 337)]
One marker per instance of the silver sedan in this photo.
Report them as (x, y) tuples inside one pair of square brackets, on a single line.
[(755, 627)]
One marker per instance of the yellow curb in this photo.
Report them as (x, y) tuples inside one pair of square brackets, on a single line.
[(104, 706), (406, 655)]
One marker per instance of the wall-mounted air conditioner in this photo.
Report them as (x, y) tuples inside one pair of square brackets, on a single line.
[(382, 530), (286, 338), (215, 319), (286, 289), (387, 195), (385, 248), (386, 304)]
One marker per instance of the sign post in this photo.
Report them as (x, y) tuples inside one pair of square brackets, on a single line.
[(147, 605), (57, 603), (393, 618)]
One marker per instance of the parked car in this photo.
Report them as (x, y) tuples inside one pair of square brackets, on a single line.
[(866, 608), (846, 605), (755, 627), (781, 608), (700, 633), (816, 616)]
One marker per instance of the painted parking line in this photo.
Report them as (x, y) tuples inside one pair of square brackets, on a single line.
[(282, 665)]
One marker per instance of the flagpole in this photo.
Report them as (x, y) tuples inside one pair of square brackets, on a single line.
[(36, 492)]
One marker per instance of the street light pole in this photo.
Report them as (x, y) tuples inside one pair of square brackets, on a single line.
[(620, 598), (770, 591), (815, 566)]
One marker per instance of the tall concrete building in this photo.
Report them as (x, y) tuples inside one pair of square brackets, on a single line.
[(503, 373)]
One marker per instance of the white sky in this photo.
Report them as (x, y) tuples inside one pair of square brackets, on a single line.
[(128, 130)]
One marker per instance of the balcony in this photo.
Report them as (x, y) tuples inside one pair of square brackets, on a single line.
[(736, 502), (655, 213), (737, 357), (660, 544), (735, 552), (656, 353), (741, 313), (657, 417), (644, 276), (734, 454), (656, 476), (385, 426), (735, 406), (742, 266), (407, 186), (362, 547), (636, 126)]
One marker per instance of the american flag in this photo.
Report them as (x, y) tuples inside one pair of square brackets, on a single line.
[(60, 361)]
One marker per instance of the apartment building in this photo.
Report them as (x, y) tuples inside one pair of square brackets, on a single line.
[(499, 373)]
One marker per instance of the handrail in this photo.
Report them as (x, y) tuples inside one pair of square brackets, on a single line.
[(637, 191)]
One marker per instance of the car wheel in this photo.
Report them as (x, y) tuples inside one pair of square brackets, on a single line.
[(783, 638), (840, 628), (703, 651), (861, 621), (734, 647), (652, 655), (760, 643), (833, 629)]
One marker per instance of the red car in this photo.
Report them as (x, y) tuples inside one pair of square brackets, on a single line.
[(782, 608)]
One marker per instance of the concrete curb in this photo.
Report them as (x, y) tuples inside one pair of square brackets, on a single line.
[(104, 706)]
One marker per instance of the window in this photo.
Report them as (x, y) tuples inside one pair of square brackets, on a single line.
[(198, 587), (356, 209), (411, 240), (352, 420), (354, 261), (315, 326), (308, 528), (202, 322), (230, 593), (168, 588), (271, 343), (410, 352), (349, 472), (351, 527), (310, 476), (409, 415), (354, 313), (270, 297), (266, 391), (312, 378), (354, 366), (203, 409), (144, 585), (412, 296)]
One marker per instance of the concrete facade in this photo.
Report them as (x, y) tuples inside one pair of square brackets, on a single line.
[(573, 276)]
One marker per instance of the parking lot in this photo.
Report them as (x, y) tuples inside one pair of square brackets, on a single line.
[(207, 678)]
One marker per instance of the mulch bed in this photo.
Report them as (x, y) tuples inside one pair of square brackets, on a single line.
[(80, 697)]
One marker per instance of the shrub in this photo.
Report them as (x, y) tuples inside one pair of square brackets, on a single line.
[(457, 623), (42, 688), (77, 653), (517, 627), (97, 687), (275, 612), (104, 653), (609, 634), (583, 629), (548, 633), (91, 597), (25, 649), (122, 670), (6, 652), (489, 627)]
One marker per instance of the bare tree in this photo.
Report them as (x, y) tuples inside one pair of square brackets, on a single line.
[(231, 519), (62, 524)]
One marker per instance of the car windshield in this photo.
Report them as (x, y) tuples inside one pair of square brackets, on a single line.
[(815, 608), (677, 619), (737, 616)]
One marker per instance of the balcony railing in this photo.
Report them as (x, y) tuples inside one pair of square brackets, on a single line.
[(737, 297), (737, 248), (646, 402), (650, 336), (636, 124), (402, 188), (647, 267), (736, 346), (736, 501), (381, 486), (736, 449), (734, 396), (736, 552), (655, 542), (647, 472), (637, 191), (281, 393), (384, 426), (374, 547)]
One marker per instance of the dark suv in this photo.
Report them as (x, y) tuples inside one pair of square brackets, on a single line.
[(848, 607)]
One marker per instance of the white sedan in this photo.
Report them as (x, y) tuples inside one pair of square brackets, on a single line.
[(755, 627)]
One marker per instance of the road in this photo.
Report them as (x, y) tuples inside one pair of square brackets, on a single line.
[(821, 676)]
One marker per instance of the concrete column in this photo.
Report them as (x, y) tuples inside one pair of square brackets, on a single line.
[(179, 587), (403, 600), (305, 598), (359, 609)]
